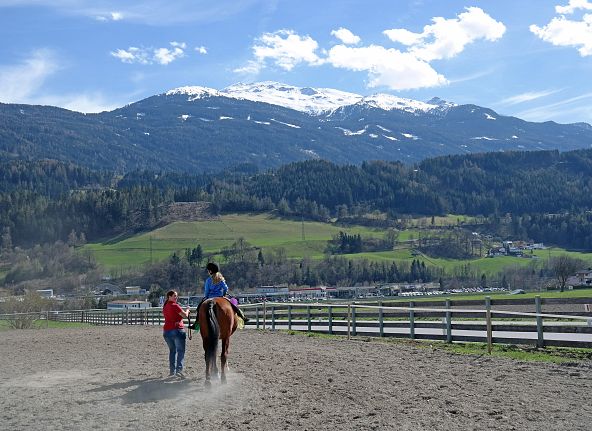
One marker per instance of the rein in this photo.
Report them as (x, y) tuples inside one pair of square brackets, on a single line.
[(189, 335)]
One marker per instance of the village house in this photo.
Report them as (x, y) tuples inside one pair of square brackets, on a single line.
[(127, 305)]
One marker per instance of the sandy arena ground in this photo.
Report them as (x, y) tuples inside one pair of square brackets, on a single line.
[(105, 378)]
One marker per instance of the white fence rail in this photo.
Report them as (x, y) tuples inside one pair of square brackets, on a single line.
[(441, 322)]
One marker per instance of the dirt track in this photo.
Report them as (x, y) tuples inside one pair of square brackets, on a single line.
[(114, 378)]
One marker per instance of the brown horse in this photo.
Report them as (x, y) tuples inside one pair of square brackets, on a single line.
[(216, 321)]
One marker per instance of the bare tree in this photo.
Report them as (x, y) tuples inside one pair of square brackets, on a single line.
[(563, 267)]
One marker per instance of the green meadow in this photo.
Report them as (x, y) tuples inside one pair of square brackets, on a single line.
[(297, 239), (261, 230)]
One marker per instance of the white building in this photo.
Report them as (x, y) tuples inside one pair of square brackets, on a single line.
[(45, 293), (128, 305)]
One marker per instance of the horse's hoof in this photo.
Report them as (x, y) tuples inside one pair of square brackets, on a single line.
[(223, 379), (208, 384)]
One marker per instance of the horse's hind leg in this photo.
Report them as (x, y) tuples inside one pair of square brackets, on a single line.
[(208, 382), (224, 359)]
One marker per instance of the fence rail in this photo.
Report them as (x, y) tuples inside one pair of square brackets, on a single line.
[(432, 320)]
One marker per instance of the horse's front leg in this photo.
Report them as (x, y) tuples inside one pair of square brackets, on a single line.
[(224, 359)]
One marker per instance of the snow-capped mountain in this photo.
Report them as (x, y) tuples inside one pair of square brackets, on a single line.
[(269, 124), (314, 101), (311, 100)]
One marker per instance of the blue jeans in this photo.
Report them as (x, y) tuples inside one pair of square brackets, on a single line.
[(175, 339)]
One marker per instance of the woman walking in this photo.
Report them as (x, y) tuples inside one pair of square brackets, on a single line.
[(174, 333)]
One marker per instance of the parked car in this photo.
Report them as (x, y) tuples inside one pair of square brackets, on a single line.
[(517, 292)]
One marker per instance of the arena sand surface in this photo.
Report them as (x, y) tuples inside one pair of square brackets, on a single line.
[(104, 378)]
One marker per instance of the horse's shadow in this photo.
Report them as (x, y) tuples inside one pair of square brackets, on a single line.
[(152, 389)]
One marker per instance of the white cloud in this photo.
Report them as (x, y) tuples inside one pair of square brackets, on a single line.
[(561, 31), (446, 38), (564, 109), (151, 55), (84, 102), (526, 97), (251, 68), (389, 67), (346, 36), (23, 83), (151, 12), (573, 6), (19, 82), (286, 49), (386, 67), (403, 36), (111, 16), (201, 49)]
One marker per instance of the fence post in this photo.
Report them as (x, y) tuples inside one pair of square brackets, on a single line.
[(348, 320), (488, 320), (380, 320), (264, 314), (82, 316), (289, 316), (539, 320), (330, 319), (46, 319), (309, 318), (354, 326), (411, 320), (273, 317), (257, 315), (448, 322)]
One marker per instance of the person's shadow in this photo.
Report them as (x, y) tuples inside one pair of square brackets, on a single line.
[(152, 389)]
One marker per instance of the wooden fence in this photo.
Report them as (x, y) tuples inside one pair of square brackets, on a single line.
[(438, 320), (507, 321)]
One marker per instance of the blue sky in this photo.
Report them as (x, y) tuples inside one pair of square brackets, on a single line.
[(528, 58)]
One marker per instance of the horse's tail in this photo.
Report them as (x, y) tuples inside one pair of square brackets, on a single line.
[(213, 333)]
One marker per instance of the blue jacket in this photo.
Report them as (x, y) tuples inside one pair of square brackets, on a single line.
[(212, 290)]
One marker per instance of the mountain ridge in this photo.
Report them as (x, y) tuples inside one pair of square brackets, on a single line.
[(198, 128)]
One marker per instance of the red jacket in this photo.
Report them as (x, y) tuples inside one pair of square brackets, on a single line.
[(172, 319)]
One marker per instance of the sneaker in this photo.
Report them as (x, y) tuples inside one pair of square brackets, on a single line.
[(180, 374)]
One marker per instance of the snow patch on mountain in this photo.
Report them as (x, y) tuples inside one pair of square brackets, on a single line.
[(389, 102), (285, 124), (348, 132), (310, 153), (485, 138), (194, 92), (311, 100)]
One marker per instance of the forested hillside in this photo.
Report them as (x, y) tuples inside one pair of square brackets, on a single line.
[(545, 196)]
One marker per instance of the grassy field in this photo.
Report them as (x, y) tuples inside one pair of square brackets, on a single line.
[(270, 233), (260, 230)]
